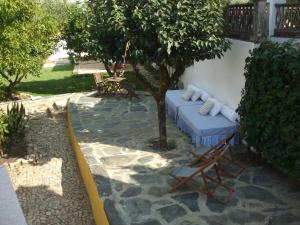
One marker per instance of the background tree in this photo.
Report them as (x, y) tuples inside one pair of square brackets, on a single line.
[(57, 8), (97, 29), (27, 37), (173, 34)]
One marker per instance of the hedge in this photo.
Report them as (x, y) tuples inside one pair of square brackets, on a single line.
[(270, 105)]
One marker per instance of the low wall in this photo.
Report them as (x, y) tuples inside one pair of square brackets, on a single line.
[(91, 188), (10, 210), (222, 78)]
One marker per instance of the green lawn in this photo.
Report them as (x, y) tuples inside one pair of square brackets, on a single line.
[(56, 80), (59, 80)]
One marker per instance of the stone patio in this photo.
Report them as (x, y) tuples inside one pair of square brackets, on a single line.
[(133, 178)]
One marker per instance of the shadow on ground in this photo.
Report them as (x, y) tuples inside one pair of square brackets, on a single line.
[(54, 191), (133, 178)]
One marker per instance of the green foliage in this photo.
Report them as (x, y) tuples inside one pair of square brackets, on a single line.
[(76, 32), (27, 36), (57, 9), (3, 129), (92, 29), (270, 107), (172, 32), (16, 119)]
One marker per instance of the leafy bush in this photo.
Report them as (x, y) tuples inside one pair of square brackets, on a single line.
[(16, 119), (270, 109), (3, 131)]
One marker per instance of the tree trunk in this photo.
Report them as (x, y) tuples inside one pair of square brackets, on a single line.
[(108, 70), (9, 90), (161, 112)]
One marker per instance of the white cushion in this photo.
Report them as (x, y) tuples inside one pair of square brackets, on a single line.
[(217, 107), (204, 96), (206, 107), (193, 86), (197, 94), (229, 113), (188, 93)]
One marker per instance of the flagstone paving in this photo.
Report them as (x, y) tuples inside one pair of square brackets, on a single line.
[(133, 178)]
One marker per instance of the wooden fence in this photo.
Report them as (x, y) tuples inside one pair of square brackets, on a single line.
[(287, 20), (239, 21)]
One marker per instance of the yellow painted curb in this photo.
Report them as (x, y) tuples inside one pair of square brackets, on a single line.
[(90, 186)]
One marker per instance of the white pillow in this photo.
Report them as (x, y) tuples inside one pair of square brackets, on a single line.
[(229, 113), (205, 96), (193, 87), (217, 107), (197, 94), (188, 93)]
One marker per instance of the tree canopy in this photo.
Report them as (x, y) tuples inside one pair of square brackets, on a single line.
[(97, 29), (27, 37), (167, 32)]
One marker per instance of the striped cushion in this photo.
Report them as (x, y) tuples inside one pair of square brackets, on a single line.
[(206, 107)]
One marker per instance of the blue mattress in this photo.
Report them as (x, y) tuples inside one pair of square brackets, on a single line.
[(174, 101), (205, 130)]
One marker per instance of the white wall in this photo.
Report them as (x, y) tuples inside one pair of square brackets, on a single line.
[(223, 78)]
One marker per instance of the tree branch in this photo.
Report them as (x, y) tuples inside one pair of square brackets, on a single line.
[(6, 77), (179, 70), (145, 82)]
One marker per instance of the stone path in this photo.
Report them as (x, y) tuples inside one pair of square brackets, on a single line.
[(49, 186), (133, 179)]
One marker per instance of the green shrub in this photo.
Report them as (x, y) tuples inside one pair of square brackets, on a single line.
[(16, 119), (270, 105)]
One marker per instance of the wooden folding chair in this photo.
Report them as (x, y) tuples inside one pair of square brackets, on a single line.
[(202, 153), (187, 174), (101, 85)]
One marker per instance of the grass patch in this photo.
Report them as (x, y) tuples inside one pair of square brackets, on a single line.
[(60, 80), (56, 80)]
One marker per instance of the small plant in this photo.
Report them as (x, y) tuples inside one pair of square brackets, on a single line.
[(3, 132), (16, 119)]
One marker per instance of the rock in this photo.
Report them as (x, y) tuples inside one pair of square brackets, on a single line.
[(285, 218), (145, 159), (138, 108), (112, 214), (118, 160), (136, 208), (131, 192), (240, 216), (172, 212), (262, 180), (219, 207), (157, 191), (112, 150), (189, 199), (257, 193), (245, 178), (216, 219), (148, 222), (86, 149), (102, 180), (107, 109), (60, 105), (147, 178)]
